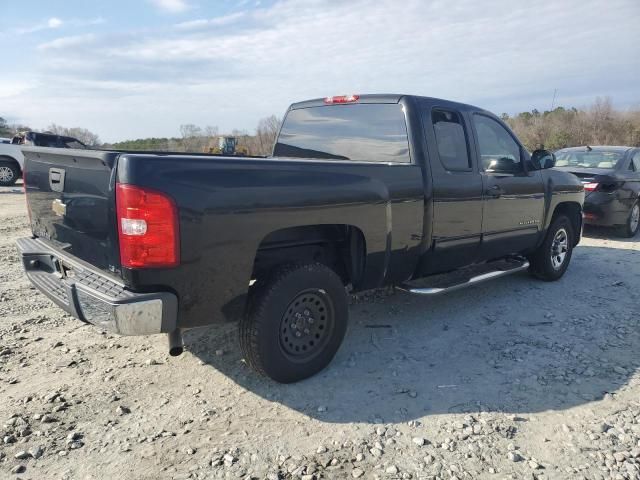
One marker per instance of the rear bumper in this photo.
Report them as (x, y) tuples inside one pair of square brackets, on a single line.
[(93, 297), (604, 209)]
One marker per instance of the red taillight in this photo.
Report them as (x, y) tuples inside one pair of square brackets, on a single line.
[(590, 187), (342, 99), (147, 228)]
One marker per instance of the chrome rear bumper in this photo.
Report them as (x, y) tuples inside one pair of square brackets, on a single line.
[(92, 296)]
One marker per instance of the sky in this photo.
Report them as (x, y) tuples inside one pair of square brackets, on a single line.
[(128, 69)]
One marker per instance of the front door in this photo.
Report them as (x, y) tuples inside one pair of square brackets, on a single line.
[(513, 196)]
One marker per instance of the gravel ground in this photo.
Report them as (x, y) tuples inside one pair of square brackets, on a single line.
[(514, 378)]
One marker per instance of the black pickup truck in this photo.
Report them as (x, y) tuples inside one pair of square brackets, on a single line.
[(361, 191)]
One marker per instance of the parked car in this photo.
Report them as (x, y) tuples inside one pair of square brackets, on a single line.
[(11, 163), (46, 139), (5, 140), (12, 160), (361, 191), (611, 178)]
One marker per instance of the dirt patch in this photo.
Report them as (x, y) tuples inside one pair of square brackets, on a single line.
[(515, 378)]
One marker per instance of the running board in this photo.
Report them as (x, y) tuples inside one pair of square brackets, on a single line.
[(467, 277)]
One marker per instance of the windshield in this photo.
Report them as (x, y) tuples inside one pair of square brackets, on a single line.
[(587, 159)]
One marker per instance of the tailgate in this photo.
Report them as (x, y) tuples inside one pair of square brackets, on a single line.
[(71, 202)]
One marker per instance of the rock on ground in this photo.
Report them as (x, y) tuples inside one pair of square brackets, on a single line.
[(511, 379)]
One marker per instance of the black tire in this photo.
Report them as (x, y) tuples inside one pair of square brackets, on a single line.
[(547, 263), (629, 230), (295, 322), (9, 173)]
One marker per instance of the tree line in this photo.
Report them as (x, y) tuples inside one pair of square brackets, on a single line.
[(598, 124), (194, 138)]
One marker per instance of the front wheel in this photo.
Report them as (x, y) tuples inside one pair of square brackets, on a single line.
[(632, 226), (295, 322), (551, 259)]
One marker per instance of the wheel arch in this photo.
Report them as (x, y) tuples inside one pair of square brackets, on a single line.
[(341, 247), (13, 160), (573, 211)]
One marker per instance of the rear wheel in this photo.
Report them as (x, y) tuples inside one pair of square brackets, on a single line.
[(551, 259), (632, 226), (295, 322), (9, 173)]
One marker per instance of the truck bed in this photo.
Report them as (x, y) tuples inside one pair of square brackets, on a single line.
[(229, 208)]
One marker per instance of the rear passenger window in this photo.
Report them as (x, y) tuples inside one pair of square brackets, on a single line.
[(357, 132), (451, 140)]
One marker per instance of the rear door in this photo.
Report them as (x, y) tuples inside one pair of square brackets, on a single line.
[(457, 189), (513, 209), (71, 202)]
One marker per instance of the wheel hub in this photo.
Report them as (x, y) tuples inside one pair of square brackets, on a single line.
[(6, 174), (559, 248), (306, 324), (635, 218)]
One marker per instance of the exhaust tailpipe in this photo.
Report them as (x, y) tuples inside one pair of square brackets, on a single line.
[(176, 346)]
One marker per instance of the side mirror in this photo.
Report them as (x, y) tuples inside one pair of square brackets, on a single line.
[(542, 159)]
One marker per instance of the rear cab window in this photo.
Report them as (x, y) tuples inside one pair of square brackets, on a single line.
[(366, 132)]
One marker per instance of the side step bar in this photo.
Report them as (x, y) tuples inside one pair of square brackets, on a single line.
[(414, 287)]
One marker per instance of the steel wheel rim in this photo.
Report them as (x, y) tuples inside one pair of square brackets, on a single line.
[(635, 218), (306, 325), (6, 174), (559, 248)]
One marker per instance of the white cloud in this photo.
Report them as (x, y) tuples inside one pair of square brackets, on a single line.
[(10, 89), (171, 6), (501, 56), (54, 22), (66, 42), (210, 22)]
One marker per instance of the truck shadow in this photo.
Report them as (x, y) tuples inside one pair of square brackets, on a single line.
[(515, 345)]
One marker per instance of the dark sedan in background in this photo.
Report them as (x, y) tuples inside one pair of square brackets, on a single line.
[(611, 178)]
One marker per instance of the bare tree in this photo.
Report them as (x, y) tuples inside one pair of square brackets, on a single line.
[(197, 139), (191, 137), (266, 134), (85, 136), (598, 124)]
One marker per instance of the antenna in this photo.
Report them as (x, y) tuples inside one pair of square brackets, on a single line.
[(553, 102)]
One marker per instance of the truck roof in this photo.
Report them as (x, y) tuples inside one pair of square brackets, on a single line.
[(382, 98)]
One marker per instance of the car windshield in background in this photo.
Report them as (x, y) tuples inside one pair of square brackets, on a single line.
[(361, 132), (587, 159)]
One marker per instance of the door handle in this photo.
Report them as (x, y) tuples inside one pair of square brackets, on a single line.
[(494, 191)]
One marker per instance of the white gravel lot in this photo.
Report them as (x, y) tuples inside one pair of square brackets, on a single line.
[(514, 378)]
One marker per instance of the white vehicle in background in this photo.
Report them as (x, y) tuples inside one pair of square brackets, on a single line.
[(12, 160), (11, 163)]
